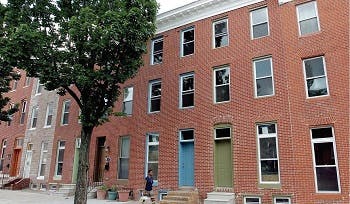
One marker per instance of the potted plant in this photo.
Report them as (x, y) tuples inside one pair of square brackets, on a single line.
[(123, 194), (112, 193), (101, 192)]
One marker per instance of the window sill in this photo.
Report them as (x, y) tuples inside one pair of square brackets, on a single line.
[(266, 96), (270, 185), (40, 178), (45, 127), (316, 97), (57, 178), (309, 34), (31, 128)]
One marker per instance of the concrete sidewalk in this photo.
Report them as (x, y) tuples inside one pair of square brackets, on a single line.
[(39, 197)]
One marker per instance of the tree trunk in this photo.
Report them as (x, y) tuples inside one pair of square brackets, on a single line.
[(83, 168)]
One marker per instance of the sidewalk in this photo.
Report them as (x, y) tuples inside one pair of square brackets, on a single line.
[(38, 197)]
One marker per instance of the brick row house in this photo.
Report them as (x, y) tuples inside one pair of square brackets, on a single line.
[(248, 97)]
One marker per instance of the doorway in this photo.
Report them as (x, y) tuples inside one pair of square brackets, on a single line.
[(28, 161), (100, 159), (186, 158)]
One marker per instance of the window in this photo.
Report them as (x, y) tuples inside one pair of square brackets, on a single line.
[(39, 88), (49, 115), (124, 152), (315, 77), (259, 21), (157, 51), (222, 133), (308, 18), (155, 93), (152, 154), (220, 33), (187, 42), (187, 135), (19, 142), (263, 74), (222, 84), (325, 160), (14, 85), (11, 106), (23, 112), (60, 156), (252, 200), (65, 112), (43, 160), (128, 98), (2, 156), (187, 90), (34, 117), (281, 200), (27, 81), (268, 153)]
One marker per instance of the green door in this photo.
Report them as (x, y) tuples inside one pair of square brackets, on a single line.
[(223, 163)]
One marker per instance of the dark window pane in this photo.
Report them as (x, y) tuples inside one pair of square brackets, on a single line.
[(188, 100), (327, 179), (59, 169), (127, 107), (222, 93), (155, 105), (324, 154), (42, 169), (153, 153), (223, 132), (220, 28), (322, 133), (269, 170), (268, 128), (154, 167), (314, 67), (264, 87), (153, 138), (188, 48), (263, 68), (187, 83), (309, 26), (317, 87), (268, 148), (252, 200), (188, 36), (156, 89), (49, 120), (66, 106), (157, 58), (123, 168), (158, 46), (65, 118), (34, 122), (60, 155), (221, 41), (187, 135), (222, 76), (282, 200), (260, 30)]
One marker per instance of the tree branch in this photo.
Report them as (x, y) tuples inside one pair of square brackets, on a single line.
[(76, 98)]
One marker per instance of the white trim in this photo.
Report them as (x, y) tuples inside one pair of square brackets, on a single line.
[(325, 76), (35, 108), (132, 98), (229, 84), (148, 143), (156, 40), (225, 34), (37, 88), (58, 177), (264, 77), (49, 105), (223, 138), (251, 23), (64, 112), (42, 151), (181, 138), (182, 41), (281, 197), (245, 199), (182, 92), (150, 84), (324, 140), (196, 11), (317, 17)]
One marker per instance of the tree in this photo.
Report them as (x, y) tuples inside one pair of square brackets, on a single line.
[(96, 45), (6, 76)]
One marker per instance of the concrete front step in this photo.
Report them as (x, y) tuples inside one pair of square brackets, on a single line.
[(180, 197), (220, 198)]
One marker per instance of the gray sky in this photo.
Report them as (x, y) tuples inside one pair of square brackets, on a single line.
[(166, 5)]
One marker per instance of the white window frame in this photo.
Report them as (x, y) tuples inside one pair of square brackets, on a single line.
[(325, 140), (317, 17), (27, 81), (42, 152), (65, 112), (121, 156), (252, 25), (148, 143), (316, 77), (275, 200), (59, 147), (182, 41), (125, 101), (188, 91), (221, 34), (268, 135), (34, 115), (49, 112), (23, 112), (156, 40), (38, 88), (227, 84), (264, 77), (150, 97), (245, 199)]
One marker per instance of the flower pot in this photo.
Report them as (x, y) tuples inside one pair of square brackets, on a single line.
[(123, 196), (101, 194), (112, 195)]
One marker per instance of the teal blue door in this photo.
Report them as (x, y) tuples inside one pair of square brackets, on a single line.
[(186, 164)]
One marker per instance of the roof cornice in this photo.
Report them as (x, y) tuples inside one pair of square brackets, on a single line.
[(197, 10)]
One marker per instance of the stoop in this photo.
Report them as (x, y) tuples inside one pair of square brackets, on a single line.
[(220, 198), (180, 197)]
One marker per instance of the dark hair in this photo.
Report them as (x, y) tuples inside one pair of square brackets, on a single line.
[(149, 170)]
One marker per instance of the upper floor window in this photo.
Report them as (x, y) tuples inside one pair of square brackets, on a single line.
[(315, 77), (14, 85), (308, 18), (187, 90), (221, 84), (65, 112), (259, 23), (220, 31), (39, 87), (263, 74), (11, 117), (27, 81), (23, 112), (34, 117), (187, 42), (154, 98), (127, 102), (157, 51), (49, 114)]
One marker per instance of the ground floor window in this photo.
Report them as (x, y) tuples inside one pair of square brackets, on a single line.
[(152, 154), (124, 150), (60, 156), (252, 200), (281, 200), (43, 159)]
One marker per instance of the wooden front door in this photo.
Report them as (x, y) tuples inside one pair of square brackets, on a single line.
[(100, 159), (14, 168)]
